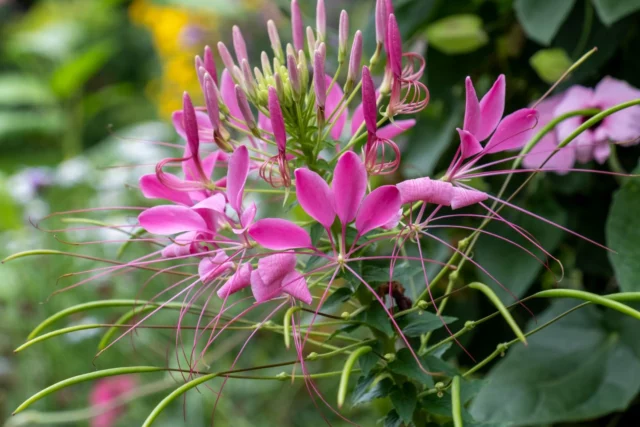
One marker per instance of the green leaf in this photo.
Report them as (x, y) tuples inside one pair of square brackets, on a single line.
[(623, 234), (421, 323), (405, 364), (611, 11), (583, 366), (392, 419), (510, 265), (72, 75), (404, 398), (340, 296), (16, 90), (376, 317), (541, 19), (550, 64), (457, 34), (368, 389)]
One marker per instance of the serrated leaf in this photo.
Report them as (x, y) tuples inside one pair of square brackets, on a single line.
[(541, 19), (581, 367), (610, 11), (623, 235), (416, 324), (457, 34), (405, 398)]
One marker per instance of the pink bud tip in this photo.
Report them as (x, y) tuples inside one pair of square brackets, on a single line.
[(389, 6), (277, 120), (321, 20), (211, 101), (239, 45), (200, 70), (356, 57), (297, 26), (369, 107), (343, 33), (311, 41), (227, 60), (394, 48), (381, 20), (210, 64), (274, 37), (190, 124), (294, 79), (245, 110), (320, 83)]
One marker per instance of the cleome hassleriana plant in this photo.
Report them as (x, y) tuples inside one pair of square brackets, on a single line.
[(288, 129)]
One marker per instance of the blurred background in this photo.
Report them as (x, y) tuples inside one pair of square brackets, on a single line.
[(87, 86)]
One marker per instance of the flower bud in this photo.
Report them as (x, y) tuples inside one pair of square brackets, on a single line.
[(382, 16), (291, 50), (303, 71), (280, 90), (343, 36), (294, 78), (210, 64), (259, 77), (311, 42), (394, 48), (369, 104), (297, 26), (245, 110), (211, 101), (200, 70), (190, 125), (239, 45), (266, 65), (227, 60), (320, 83), (321, 20), (236, 74), (354, 62), (275, 40), (250, 84), (277, 120)]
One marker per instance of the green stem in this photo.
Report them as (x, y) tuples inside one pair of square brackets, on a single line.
[(456, 404)]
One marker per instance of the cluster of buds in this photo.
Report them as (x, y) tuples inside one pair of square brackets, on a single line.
[(290, 109)]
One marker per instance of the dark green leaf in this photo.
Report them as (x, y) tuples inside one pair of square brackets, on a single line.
[(404, 398), (417, 324), (610, 11), (541, 19), (392, 419), (369, 360), (336, 299), (72, 75), (316, 233), (623, 235), (367, 389), (406, 365), (581, 367), (376, 317)]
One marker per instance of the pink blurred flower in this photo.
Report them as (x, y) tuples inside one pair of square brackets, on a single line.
[(103, 393)]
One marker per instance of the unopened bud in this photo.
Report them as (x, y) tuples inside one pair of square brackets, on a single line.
[(303, 71), (311, 42), (200, 70), (250, 84), (321, 20), (280, 90), (297, 26), (381, 21), (294, 78), (343, 36), (266, 65), (190, 124), (239, 45), (277, 120), (211, 101), (227, 60), (276, 45), (245, 110), (354, 62), (210, 64), (320, 83)]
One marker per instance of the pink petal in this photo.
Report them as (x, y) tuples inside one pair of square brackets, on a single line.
[(238, 281), (264, 123), (559, 163), (274, 268), (211, 268), (248, 215), (171, 220), (575, 98), (472, 108), (426, 189), (186, 244), (463, 197), (396, 128), (349, 186), (491, 109), (279, 234), (601, 152), (315, 196), (469, 145), (393, 222), (152, 188), (204, 125), (333, 99), (623, 125), (295, 285), (237, 177), (214, 203), (514, 131), (610, 92), (263, 291), (378, 208)]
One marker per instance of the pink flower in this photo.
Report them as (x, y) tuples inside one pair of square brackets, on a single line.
[(622, 127), (275, 275), (104, 392)]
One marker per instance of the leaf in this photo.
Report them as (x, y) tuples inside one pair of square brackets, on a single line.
[(510, 265), (405, 398), (316, 232), (457, 34), (392, 419), (405, 364), (610, 11), (583, 366), (72, 75), (16, 90), (336, 299), (367, 389), (541, 19), (376, 317), (623, 235), (418, 324), (550, 64)]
